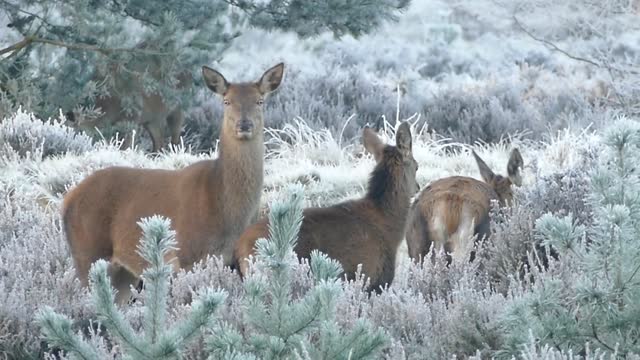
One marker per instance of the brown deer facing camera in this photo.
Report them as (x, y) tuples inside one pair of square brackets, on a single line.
[(209, 202), (366, 231), (450, 211)]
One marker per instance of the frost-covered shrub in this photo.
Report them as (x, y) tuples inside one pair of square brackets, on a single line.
[(430, 310), (25, 134), (513, 247), (438, 311), (342, 99), (490, 113), (35, 270), (591, 293)]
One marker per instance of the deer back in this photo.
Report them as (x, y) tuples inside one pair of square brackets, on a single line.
[(365, 231), (451, 211)]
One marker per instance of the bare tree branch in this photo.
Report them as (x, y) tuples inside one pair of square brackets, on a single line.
[(614, 72), (16, 47), (552, 45)]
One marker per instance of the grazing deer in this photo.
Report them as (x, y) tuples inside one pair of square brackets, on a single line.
[(450, 211), (366, 231), (155, 116), (209, 202)]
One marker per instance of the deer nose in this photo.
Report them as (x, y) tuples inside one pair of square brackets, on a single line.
[(245, 125)]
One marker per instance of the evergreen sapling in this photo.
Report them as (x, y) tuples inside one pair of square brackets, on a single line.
[(158, 341), (281, 325), (590, 295)]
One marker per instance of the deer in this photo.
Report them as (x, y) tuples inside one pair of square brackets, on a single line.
[(209, 202), (450, 212), (156, 115), (363, 231)]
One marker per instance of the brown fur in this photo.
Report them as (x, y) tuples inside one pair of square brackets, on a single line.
[(450, 210), (155, 116), (366, 231), (209, 202)]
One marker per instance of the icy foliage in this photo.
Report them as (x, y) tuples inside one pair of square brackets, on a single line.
[(487, 75), (19, 133), (428, 310)]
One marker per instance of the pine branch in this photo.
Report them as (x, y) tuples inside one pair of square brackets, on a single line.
[(114, 320), (595, 336), (160, 341), (82, 47), (16, 47), (57, 328), (242, 5), (635, 272), (135, 17)]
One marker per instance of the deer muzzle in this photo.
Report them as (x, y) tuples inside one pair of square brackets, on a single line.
[(244, 129)]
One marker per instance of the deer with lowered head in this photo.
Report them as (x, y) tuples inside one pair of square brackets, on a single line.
[(365, 231), (209, 202), (449, 212), (156, 116)]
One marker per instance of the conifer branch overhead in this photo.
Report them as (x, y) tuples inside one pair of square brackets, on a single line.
[(29, 40)]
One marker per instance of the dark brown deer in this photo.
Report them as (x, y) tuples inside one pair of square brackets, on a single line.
[(366, 231), (155, 116), (450, 211), (209, 202)]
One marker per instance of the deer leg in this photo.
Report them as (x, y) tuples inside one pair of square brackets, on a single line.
[(122, 280), (175, 120), (418, 238), (156, 136), (483, 231)]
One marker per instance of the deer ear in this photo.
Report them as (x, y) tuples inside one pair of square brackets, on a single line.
[(214, 80), (372, 143), (514, 166), (403, 138), (485, 172), (271, 79)]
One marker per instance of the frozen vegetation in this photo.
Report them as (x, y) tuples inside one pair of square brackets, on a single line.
[(559, 277)]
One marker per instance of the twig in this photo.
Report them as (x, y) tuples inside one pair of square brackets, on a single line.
[(635, 272), (242, 6), (595, 335), (17, 8), (552, 45), (133, 16)]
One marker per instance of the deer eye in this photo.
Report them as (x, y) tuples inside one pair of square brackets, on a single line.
[(260, 101), (227, 102)]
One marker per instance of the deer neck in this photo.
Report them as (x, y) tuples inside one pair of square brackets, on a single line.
[(242, 163), (395, 205), (390, 198)]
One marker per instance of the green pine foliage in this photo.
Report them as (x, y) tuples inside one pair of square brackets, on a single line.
[(590, 295), (65, 53), (158, 341), (282, 325)]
